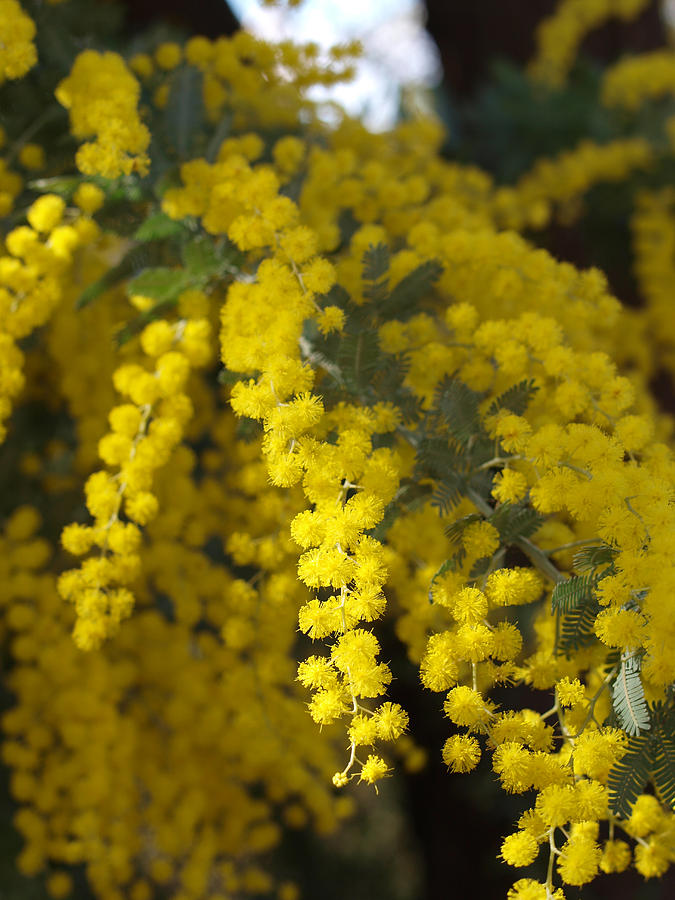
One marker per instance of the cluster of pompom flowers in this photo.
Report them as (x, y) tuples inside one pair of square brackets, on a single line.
[(166, 757)]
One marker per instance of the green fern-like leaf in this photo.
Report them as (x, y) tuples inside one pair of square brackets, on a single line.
[(515, 521), (663, 750), (391, 375), (338, 296), (577, 627), (593, 557), (358, 358), (409, 405), (455, 530), (458, 405), (448, 493), (404, 298), (375, 269), (628, 777), (569, 594), (388, 385), (612, 660), (480, 567), (438, 459), (375, 262), (516, 399), (409, 497), (664, 769), (480, 484), (628, 697)]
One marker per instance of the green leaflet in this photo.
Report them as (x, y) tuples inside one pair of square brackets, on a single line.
[(514, 521), (577, 627), (569, 594), (663, 752), (455, 530), (358, 358), (403, 301), (612, 660), (457, 461), (575, 599), (448, 493), (480, 567), (158, 226), (375, 274), (355, 360), (162, 284), (446, 464), (375, 263), (649, 757), (200, 257), (515, 399), (438, 459), (593, 557), (458, 405), (388, 385), (338, 296), (64, 185), (628, 778), (410, 496), (628, 697), (146, 263)]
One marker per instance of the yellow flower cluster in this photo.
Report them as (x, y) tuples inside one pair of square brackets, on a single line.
[(578, 468), (87, 391), (392, 353), (38, 259), (564, 180), (143, 433), (262, 84), (262, 325), (17, 50), (101, 96), (170, 759), (561, 464), (632, 81), (560, 35)]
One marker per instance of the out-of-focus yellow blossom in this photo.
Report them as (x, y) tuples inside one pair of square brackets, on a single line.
[(17, 50), (101, 96), (559, 36)]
